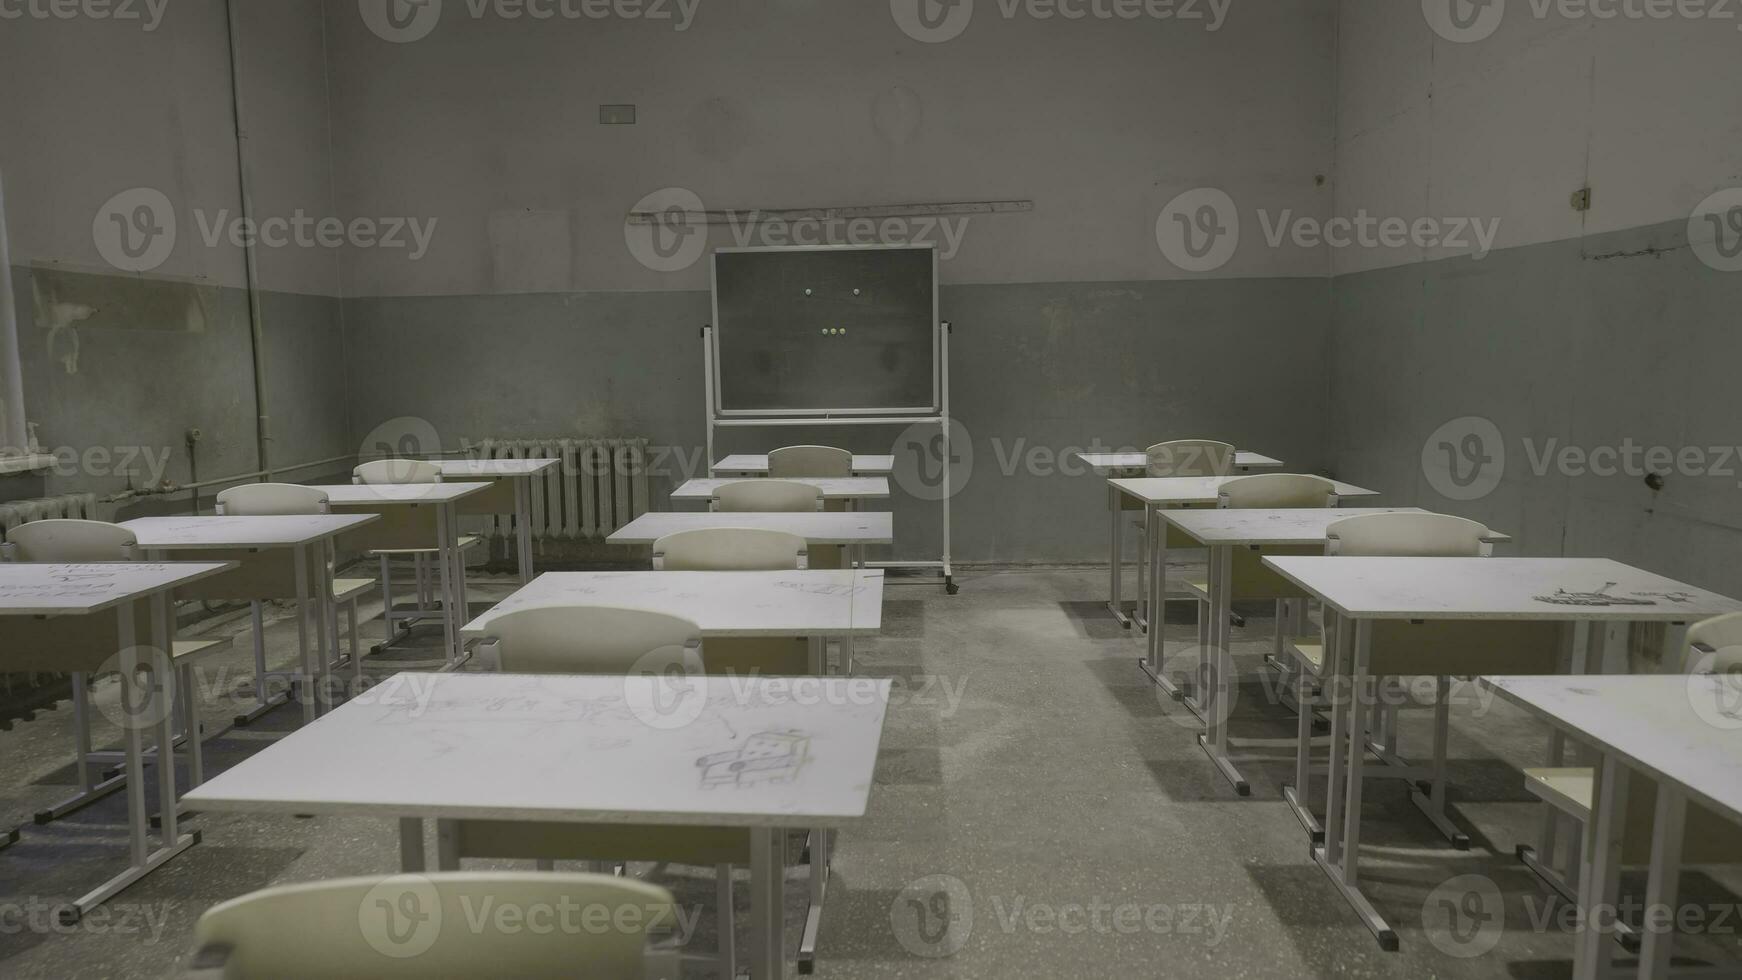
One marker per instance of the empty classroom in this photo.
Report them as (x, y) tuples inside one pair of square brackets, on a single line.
[(681, 489)]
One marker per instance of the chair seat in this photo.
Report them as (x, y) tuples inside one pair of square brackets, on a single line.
[(193, 651), (1309, 652), (1567, 790), (1196, 588), (346, 589), (466, 542)]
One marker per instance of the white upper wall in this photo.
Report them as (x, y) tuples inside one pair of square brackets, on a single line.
[(1502, 122), (96, 108), (488, 127)]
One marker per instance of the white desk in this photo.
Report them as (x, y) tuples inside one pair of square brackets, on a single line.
[(1647, 725), (1157, 494), (309, 539), (396, 503), (748, 464), (55, 592), (850, 489), (1139, 462), (1579, 592), (577, 749), (1131, 466), (852, 531), (821, 604), (521, 474)]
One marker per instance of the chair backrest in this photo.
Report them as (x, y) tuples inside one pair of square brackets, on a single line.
[(810, 462), (65, 541), (1408, 536), (768, 497), (271, 500), (387, 471), (424, 926), (1191, 457), (594, 640), (730, 549), (1715, 646), (1278, 491)]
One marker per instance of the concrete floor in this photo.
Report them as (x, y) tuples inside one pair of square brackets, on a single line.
[(1039, 811)]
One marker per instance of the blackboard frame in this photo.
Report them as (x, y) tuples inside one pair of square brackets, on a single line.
[(718, 338)]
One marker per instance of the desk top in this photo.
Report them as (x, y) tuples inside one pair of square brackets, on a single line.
[(1175, 490), (1140, 461), (80, 590), (1685, 729), (754, 463), (1541, 589), (1277, 527), (361, 494), (808, 603), (818, 528), (846, 488), (206, 533), (493, 468), (764, 752)]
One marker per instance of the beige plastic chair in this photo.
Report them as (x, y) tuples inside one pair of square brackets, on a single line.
[(1278, 491), (387, 928), (810, 462), (1190, 457), (729, 549), (741, 550), (1411, 649), (767, 497), (1409, 536), (378, 472), (70, 541), (292, 500), (589, 640), (1713, 646), (384, 472), (602, 640), (93, 639)]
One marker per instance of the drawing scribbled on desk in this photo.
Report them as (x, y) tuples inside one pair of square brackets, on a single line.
[(1601, 598), (768, 757)]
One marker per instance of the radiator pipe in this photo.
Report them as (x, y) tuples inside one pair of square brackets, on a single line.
[(256, 332), (171, 489), (14, 434)]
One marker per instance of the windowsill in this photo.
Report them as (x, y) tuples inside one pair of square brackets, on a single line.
[(24, 464)]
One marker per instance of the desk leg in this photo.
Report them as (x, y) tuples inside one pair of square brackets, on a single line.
[(143, 860), (411, 854), (446, 545), (1219, 680), (310, 673), (1581, 647), (1600, 884), (1115, 504), (1299, 796), (1340, 857), (1141, 615), (767, 903), (462, 601), (523, 526), (1663, 885)]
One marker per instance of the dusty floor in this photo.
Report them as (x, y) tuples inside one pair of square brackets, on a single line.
[(1028, 771)]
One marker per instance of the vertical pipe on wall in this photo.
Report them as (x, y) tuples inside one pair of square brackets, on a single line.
[(14, 435), (257, 334)]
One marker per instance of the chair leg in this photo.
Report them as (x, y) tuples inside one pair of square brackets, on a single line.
[(386, 601), (728, 923), (82, 731), (356, 645), (257, 610), (190, 713)]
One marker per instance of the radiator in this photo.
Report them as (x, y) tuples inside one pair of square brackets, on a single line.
[(68, 506), (600, 486)]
